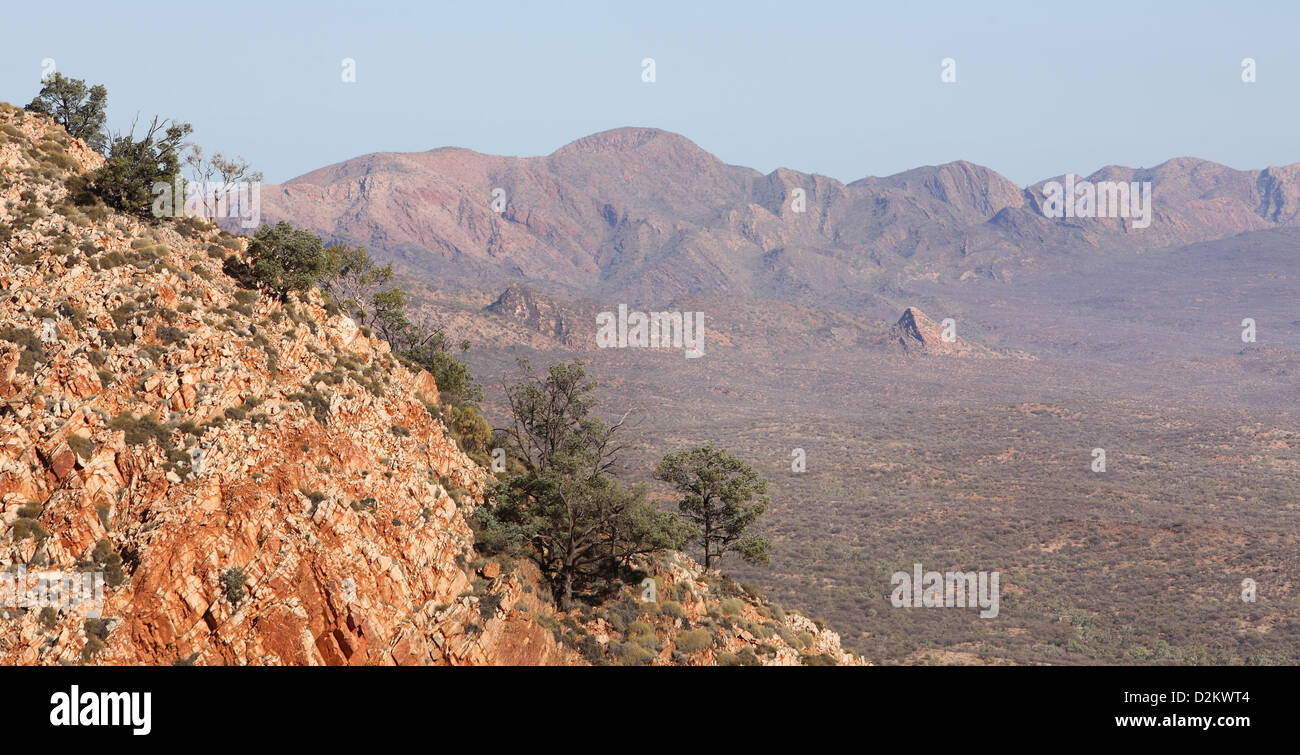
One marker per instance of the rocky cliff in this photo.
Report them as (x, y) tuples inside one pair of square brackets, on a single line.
[(261, 481)]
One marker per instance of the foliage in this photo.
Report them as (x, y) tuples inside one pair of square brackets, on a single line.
[(232, 582), (284, 259), (108, 559), (76, 107), (217, 176), (574, 520), (132, 168), (693, 640), (716, 490)]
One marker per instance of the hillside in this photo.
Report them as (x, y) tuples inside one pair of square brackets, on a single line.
[(261, 481)]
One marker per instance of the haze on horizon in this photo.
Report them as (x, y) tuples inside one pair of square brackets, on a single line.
[(833, 88)]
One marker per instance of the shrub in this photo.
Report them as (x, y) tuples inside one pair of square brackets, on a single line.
[(33, 350), (631, 653), (170, 336), (192, 228), (284, 259), (728, 659), (76, 107), (92, 648), (488, 604), (24, 528), (640, 629), (672, 608), (819, 659), (314, 402), (107, 559), (732, 607), (232, 582), (455, 382), (139, 430), (592, 651), (49, 617), (126, 180), (694, 640), (96, 628)]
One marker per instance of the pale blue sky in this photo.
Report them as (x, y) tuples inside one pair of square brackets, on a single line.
[(846, 89)]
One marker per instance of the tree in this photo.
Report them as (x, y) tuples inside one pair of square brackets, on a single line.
[(354, 280), (217, 176), (133, 168), (455, 381), (285, 259), (79, 109), (425, 347), (577, 523), (716, 490)]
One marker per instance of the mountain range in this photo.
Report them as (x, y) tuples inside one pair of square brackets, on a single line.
[(643, 215)]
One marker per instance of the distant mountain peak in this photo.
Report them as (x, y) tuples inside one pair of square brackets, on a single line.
[(628, 139)]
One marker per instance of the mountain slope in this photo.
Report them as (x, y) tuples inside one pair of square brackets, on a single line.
[(261, 482)]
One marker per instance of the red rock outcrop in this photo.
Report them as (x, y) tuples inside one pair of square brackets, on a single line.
[(260, 482)]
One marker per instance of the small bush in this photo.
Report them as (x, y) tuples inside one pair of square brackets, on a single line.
[(232, 582), (694, 640), (819, 659), (93, 647), (192, 228), (170, 336), (81, 446), (488, 604), (140, 430), (314, 402), (33, 350), (108, 559), (24, 528), (640, 629)]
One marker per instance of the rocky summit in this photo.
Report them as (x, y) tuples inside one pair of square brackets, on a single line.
[(259, 479)]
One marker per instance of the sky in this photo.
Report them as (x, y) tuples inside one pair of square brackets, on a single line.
[(844, 89)]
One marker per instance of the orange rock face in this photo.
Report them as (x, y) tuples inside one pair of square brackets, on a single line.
[(256, 480)]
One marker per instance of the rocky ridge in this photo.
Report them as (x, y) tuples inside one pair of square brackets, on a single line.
[(262, 482)]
